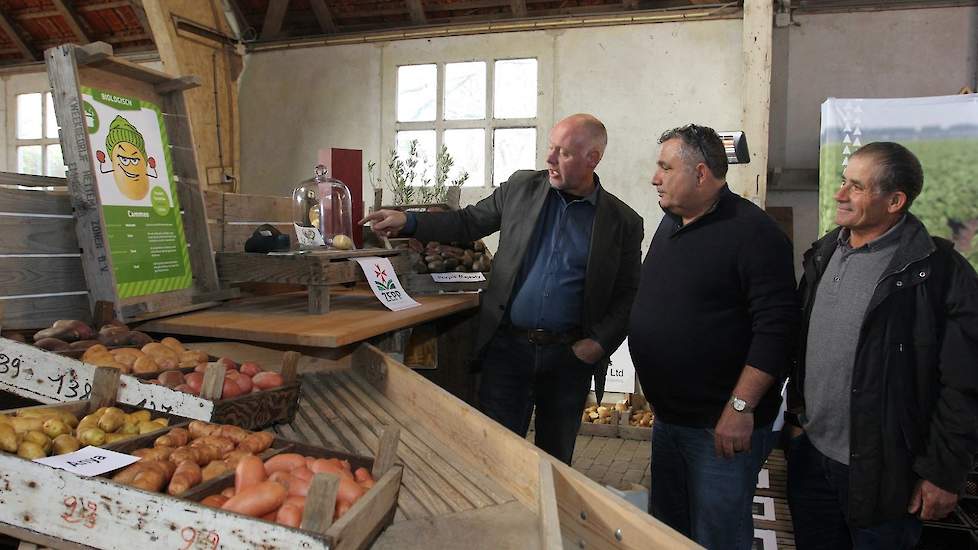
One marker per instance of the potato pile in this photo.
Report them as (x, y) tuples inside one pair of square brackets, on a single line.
[(69, 334), (276, 490), (462, 257), (35, 433), (598, 414), (641, 417), (166, 354), (248, 377), (186, 457)]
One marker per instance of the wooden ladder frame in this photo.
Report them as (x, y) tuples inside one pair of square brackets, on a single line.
[(69, 67)]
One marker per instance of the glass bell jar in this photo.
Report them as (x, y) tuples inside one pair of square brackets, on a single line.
[(322, 213)]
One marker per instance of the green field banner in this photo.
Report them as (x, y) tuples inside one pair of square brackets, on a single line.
[(943, 133)]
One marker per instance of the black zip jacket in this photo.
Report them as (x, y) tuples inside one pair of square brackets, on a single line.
[(914, 390)]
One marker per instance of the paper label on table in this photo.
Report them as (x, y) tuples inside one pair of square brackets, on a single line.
[(308, 236), (51, 378), (89, 461), (383, 281), (458, 277)]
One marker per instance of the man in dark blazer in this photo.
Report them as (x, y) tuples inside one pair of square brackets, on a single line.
[(562, 283)]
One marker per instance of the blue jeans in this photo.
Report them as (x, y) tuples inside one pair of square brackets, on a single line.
[(518, 375), (818, 496), (703, 496)]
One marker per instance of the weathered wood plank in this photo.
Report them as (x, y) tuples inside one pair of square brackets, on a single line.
[(550, 538), (368, 515), (30, 180), (274, 15), (258, 209), (324, 16), (39, 274), (28, 235), (214, 200), (89, 226), (41, 312), (304, 269), (24, 201)]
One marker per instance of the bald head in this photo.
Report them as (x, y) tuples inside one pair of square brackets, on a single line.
[(589, 130)]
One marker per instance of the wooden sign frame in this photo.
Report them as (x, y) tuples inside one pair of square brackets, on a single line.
[(69, 68)]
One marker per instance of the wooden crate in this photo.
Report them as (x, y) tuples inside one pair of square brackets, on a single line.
[(601, 430), (50, 378), (59, 509), (627, 431)]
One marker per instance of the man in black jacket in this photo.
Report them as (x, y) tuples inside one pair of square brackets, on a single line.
[(562, 283), (711, 333), (884, 396)]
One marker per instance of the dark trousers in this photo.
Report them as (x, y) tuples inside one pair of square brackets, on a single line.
[(516, 375), (818, 496)]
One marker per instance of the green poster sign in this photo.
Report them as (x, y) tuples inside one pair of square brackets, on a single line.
[(138, 193)]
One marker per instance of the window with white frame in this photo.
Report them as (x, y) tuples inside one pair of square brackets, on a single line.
[(484, 113), (36, 136)]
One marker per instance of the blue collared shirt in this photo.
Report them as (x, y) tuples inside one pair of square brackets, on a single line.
[(549, 291)]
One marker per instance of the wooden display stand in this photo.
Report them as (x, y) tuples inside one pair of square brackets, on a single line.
[(69, 68)]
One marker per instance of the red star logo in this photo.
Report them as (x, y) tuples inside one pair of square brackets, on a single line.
[(381, 274)]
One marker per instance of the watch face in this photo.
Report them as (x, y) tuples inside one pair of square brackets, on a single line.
[(739, 404)]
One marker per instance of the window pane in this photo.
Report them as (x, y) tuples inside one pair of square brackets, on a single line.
[(29, 116), (51, 121), (424, 159), (55, 163), (468, 151), (513, 149), (416, 85), (465, 91), (29, 159), (515, 88)]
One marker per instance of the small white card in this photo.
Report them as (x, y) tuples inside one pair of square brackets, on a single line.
[(308, 236), (89, 461), (458, 277), (383, 281)]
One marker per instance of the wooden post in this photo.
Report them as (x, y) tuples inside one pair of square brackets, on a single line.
[(213, 383), (758, 32), (386, 450), (319, 299), (550, 538), (317, 516), (290, 366), (105, 387)]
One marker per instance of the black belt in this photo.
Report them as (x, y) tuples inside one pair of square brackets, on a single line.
[(543, 337)]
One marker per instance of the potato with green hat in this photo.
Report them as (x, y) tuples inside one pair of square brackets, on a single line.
[(130, 166)]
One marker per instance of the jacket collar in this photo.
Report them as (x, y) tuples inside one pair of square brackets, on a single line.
[(915, 244)]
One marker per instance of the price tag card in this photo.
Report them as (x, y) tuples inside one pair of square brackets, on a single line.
[(383, 281), (89, 461), (458, 277)]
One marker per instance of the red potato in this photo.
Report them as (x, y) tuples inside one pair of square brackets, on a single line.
[(230, 389), (244, 383), (298, 502), (302, 473), (201, 367), (348, 491), (214, 501), (257, 500), (182, 388), (299, 487), (284, 462), (341, 508), (282, 478), (195, 380), (271, 515), (228, 362), (249, 472), (268, 380), (363, 477), (171, 378), (289, 516), (228, 492), (250, 368)]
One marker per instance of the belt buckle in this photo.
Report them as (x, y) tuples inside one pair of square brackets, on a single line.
[(537, 336)]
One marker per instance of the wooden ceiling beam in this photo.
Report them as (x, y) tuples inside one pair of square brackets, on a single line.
[(324, 16), (518, 7), (140, 11), (630, 4), (7, 26), (274, 16), (416, 10), (67, 12)]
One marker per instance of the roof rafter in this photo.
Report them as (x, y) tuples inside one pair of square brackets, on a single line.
[(323, 15), (417, 12), (274, 16), (67, 11), (7, 26)]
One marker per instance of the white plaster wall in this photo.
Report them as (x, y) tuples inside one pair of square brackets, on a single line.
[(639, 79)]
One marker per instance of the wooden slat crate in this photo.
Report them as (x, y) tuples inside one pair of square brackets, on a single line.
[(51, 378)]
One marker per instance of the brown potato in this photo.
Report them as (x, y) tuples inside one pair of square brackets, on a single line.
[(171, 378), (173, 344), (145, 365), (39, 438), (54, 427), (92, 436), (97, 349), (30, 450), (52, 344), (165, 357), (111, 335), (139, 339), (83, 344), (82, 329), (8, 439), (64, 443)]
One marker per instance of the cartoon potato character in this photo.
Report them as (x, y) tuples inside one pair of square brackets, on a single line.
[(130, 165)]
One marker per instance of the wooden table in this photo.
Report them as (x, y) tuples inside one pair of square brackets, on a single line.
[(356, 315)]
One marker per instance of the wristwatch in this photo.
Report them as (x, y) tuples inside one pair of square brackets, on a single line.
[(740, 405)]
